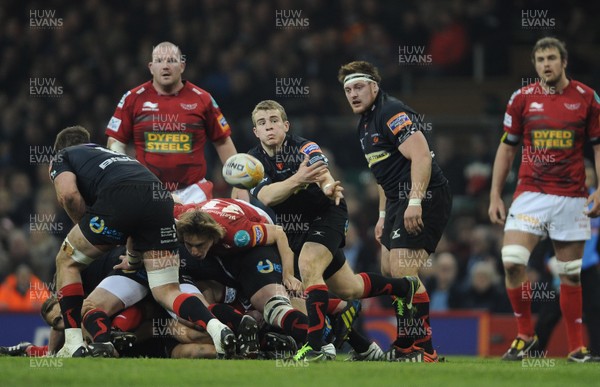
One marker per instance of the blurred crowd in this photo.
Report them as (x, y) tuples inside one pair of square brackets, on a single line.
[(66, 63)]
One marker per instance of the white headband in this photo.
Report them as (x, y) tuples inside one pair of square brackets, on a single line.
[(358, 77)]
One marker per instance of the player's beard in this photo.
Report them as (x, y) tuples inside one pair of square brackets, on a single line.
[(553, 81)]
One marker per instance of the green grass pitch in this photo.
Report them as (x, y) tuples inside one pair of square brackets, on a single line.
[(457, 371)]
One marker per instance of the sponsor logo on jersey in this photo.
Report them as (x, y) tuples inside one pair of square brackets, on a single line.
[(168, 142), (310, 147), (188, 106), (241, 238), (122, 101), (536, 107), (149, 106), (258, 234), (399, 121), (375, 157), (552, 138), (507, 120), (265, 266), (114, 124), (97, 226), (223, 123), (572, 106)]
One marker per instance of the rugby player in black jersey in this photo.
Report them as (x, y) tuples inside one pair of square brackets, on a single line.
[(113, 200), (415, 199), (309, 204)]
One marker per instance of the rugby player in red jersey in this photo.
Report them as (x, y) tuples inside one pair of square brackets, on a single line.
[(169, 120), (252, 251), (552, 118)]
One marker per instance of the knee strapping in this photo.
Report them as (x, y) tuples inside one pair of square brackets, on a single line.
[(275, 309), (515, 254), (77, 255), (168, 275), (569, 267)]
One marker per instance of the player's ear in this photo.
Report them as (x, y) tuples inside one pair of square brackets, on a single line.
[(286, 125), (255, 131)]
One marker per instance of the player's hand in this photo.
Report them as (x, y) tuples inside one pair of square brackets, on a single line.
[(497, 211), (412, 220), (310, 174), (379, 229), (334, 191), (293, 285), (594, 200), (126, 266), (241, 194)]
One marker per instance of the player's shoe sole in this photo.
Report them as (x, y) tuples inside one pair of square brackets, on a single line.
[(228, 344), (247, 339)]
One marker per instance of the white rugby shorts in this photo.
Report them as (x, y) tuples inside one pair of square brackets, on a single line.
[(559, 217)]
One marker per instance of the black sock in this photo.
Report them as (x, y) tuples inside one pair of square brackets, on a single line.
[(423, 333), (71, 301), (97, 323), (358, 342), (377, 285), (316, 304), (295, 324), (227, 315), (190, 308)]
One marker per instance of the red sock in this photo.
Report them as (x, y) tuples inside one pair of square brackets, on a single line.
[(333, 304), (129, 319), (520, 299), (35, 351), (570, 306)]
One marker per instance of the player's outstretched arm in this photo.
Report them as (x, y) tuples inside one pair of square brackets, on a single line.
[(276, 235), (276, 193), (504, 159)]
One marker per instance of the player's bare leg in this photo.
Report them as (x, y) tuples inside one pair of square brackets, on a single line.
[(515, 254)]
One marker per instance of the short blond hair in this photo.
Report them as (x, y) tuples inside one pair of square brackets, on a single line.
[(269, 104)]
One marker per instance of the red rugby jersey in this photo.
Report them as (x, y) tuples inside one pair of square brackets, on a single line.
[(553, 127), (244, 225), (169, 131)]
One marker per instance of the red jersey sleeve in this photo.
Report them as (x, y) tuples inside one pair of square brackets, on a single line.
[(513, 118), (120, 126), (593, 122), (216, 125), (248, 234)]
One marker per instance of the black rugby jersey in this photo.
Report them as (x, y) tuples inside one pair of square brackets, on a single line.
[(98, 168), (310, 201), (381, 130)]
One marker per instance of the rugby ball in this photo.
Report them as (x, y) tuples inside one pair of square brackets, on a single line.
[(243, 171)]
